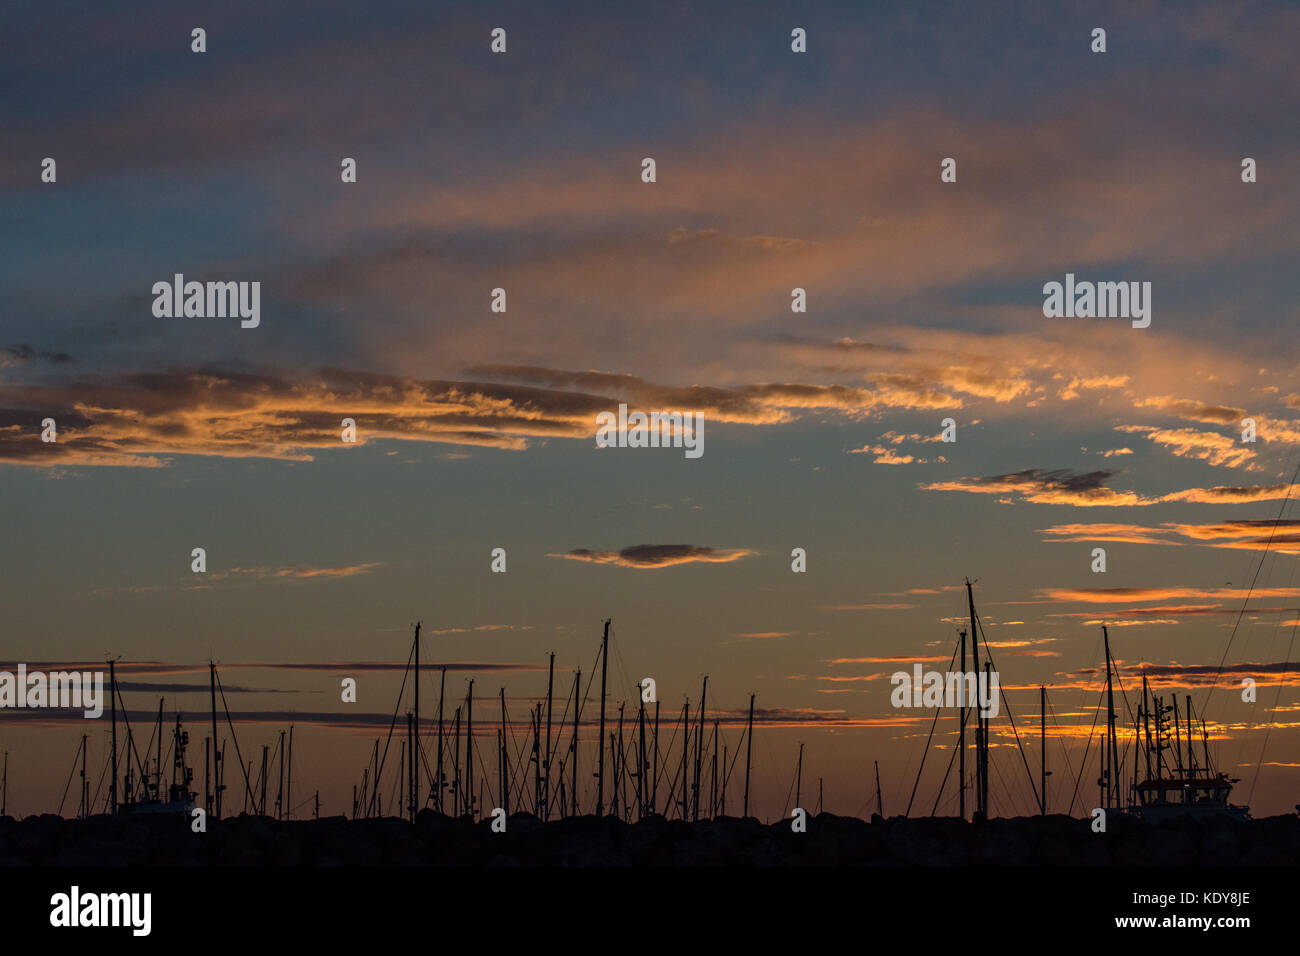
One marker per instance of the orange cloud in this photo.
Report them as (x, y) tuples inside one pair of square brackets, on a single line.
[(1190, 443), (1132, 595), (1127, 533)]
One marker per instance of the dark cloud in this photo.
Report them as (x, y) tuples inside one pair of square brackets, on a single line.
[(22, 354), (658, 555)]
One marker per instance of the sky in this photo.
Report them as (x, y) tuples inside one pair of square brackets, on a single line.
[(775, 170)]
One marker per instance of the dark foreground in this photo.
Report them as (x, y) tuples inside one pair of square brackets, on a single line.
[(434, 840)]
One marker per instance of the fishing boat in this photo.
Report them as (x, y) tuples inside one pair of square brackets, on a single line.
[(179, 798), (1175, 785), (141, 795)]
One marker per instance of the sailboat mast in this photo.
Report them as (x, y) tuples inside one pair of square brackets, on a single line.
[(749, 751), (722, 810), (112, 697), (713, 792), (546, 767), (961, 742), (1042, 746), (981, 809), (288, 789), (85, 784), (415, 762), (880, 808), (1179, 766), (535, 720), (216, 756), (619, 796), (640, 765), (503, 757), (279, 787), (600, 773), (410, 766), (469, 745), (261, 802), (1146, 723), (1112, 785), (686, 748), (699, 751), (654, 775), (157, 764), (798, 776), (455, 768), (577, 681), (439, 784)]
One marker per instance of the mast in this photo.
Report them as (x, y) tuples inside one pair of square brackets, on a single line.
[(981, 791), (469, 744), (261, 803), (415, 737), (501, 771), (157, 766), (85, 784), (1157, 729), (713, 791), (1042, 746), (546, 767), (961, 743), (455, 769), (279, 788), (288, 789), (988, 682), (600, 774), (619, 795), (880, 808), (577, 680), (654, 776), (1113, 748), (640, 764), (723, 809), (798, 776), (1146, 723), (207, 777), (112, 697), (374, 778), (749, 751), (686, 749), (1205, 746), (216, 755), (699, 750), (1191, 754), (503, 757), (438, 785), (410, 765), (1179, 766), (535, 721)]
